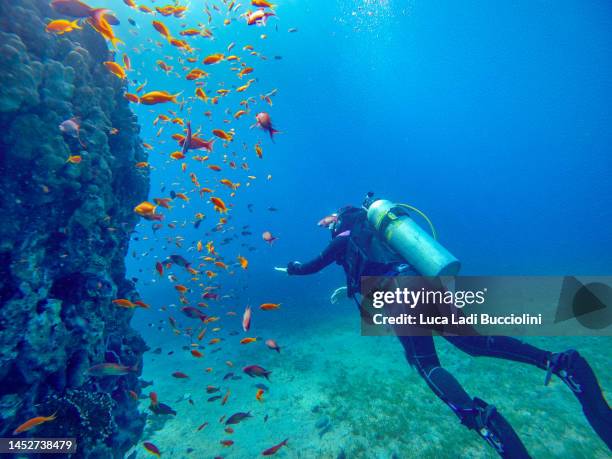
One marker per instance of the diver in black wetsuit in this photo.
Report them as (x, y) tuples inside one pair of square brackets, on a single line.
[(355, 246)]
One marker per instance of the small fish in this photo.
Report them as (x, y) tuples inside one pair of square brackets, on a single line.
[(74, 159), (111, 369), (180, 375), (227, 442), (238, 417), (272, 345), (214, 398), (246, 319), (158, 97), (31, 423), (269, 306), (259, 395), (264, 121), (256, 371), (202, 426), (274, 449), (162, 408), (62, 26), (115, 69), (228, 376), (212, 389), (267, 236), (151, 448), (248, 340)]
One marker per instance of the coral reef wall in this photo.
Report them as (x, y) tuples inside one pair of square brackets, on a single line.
[(64, 233)]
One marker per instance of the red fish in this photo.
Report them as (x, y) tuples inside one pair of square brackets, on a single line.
[(267, 236), (274, 449), (265, 122), (160, 268), (194, 313), (328, 220), (73, 8), (180, 375), (272, 345), (150, 447), (246, 319)]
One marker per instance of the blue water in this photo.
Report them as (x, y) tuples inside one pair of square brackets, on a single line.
[(492, 117)]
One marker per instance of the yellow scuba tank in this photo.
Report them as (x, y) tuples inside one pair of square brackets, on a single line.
[(412, 242)]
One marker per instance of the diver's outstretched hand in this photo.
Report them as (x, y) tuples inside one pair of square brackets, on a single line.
[(282, 270), (335, 297)]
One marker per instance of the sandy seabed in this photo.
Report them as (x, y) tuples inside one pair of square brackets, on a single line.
[(336, 394)]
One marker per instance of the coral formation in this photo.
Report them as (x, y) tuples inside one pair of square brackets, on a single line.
[(64, 234)]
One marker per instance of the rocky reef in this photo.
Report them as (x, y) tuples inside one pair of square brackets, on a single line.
[(64, 234)]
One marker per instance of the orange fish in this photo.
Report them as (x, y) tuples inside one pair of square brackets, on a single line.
[(269, 306), (263, 4), (200, 94), (181, 288), (145, 208), (61, 26), (115, 69), (196, 353), (213, 59), (223, 135), (258, 150), (124, 303), (98, 21), (162, 29), (31, 423), (158, 97), (219, 204), (74, 159), (177, 155), (215, 168), (245, 71), (259, 395), (244, 263), (227, 394), (132, 97), (162, 65), (248, 340)]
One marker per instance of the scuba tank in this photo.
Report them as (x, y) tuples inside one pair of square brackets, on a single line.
[(411, 241)]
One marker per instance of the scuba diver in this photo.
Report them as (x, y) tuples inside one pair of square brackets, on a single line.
[(363, 244)]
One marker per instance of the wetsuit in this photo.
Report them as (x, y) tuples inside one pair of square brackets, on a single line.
[(474, 413)]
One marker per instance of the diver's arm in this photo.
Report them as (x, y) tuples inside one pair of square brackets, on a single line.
[(331, 253)]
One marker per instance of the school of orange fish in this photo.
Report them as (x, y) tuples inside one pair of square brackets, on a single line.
[(196, 146)]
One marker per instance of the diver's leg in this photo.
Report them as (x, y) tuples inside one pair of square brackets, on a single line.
[(474, 414), (502, 347), (570, 366), (577, 374)]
